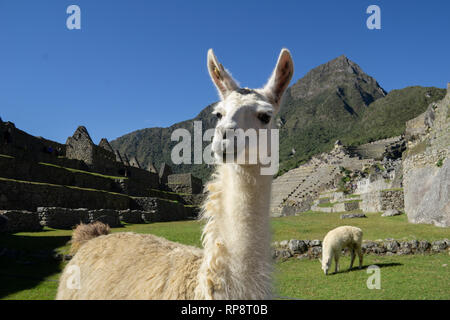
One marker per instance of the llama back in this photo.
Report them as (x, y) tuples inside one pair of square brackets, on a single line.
[(343, 236), (132, 266), (357, 235)]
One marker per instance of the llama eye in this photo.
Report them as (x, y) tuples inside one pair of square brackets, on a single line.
[(264, 117), (218, 115)]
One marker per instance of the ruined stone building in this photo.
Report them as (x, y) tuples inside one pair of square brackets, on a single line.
[(50, 181)]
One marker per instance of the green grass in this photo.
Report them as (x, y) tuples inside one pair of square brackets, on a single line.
[(351, 201), (393, 189), (353, 196), (326, 205), (6, 156), (315, 225), (414, 277), (403, 277)]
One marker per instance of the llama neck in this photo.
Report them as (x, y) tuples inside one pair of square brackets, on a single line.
[(237, 234)]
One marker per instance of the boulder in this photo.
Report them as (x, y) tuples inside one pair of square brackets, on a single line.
[(438, 246), (297, 246), (391, 212), (423, 246), (353, 215), (391, 246), (315, 251)]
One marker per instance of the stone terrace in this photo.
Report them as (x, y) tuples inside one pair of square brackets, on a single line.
[(296, 190), (35, 172)]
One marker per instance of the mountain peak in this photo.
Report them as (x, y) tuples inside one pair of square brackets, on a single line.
[(333, 75)]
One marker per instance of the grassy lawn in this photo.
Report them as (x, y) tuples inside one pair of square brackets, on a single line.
[(402, 277), (413, 277), (315, 225)]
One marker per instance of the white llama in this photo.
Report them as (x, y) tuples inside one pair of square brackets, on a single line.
[(236, 261), (338, 239)]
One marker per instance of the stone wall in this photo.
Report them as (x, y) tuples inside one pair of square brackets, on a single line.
[(20, 144), (143, 177), (367, 185), (132, 216), (346, 206), (107, 216), (184, 183), (30, 196), (375, 150), (62, 218), (20, 169), (138, 184), (312, 249), (12, 221), (66, 218), (381, 201), (164, 210)]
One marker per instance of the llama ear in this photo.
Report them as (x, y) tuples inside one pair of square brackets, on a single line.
[(221, 78), (281, 76)]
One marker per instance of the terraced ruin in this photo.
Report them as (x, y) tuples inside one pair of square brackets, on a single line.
[(84, 182), (404, 174), (296, 190)]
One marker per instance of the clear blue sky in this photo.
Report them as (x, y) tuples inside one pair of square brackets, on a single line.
[(136, 64)]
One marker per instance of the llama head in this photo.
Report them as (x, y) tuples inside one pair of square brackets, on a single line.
[(245, 116), (326, 264)]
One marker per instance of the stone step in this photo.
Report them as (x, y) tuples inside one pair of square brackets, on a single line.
[(24, 170), (26, 195)]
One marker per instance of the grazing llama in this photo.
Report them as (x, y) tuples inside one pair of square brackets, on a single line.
[(338, 239), (235, 262)]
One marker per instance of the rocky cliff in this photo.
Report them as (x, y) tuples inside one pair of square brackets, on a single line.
[(426, 165)]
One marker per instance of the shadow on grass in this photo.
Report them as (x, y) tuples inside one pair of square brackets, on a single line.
[(26, 261), (380, 265)]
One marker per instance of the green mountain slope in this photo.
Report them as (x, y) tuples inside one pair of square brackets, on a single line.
[(336, 100)]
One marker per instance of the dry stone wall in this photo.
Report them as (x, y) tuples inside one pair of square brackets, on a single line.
[(107, 216), (381, 201), (312, 249), (12, 221), (62, 218), (184, 183), (30, 196)]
